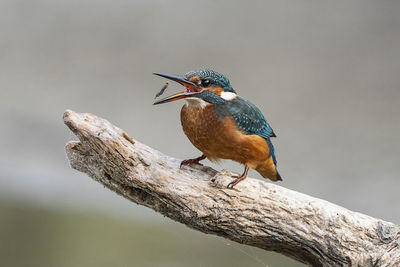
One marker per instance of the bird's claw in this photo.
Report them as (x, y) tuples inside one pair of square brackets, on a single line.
[(190, 161), (234, 182), (193, 161), (230, 185), (237, 180)]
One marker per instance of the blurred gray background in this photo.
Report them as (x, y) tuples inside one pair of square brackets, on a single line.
[(325, 75)]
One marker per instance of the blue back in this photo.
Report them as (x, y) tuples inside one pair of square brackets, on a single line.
[(248, 118), (245, 114)]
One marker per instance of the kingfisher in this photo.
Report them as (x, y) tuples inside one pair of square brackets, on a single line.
[(223, 125)]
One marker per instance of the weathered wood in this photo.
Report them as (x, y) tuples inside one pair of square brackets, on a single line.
[(255, 212)]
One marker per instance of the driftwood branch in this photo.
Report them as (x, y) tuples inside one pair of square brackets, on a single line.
[(255, 212)]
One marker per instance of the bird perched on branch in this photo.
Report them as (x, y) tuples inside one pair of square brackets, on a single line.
[(222, 125)]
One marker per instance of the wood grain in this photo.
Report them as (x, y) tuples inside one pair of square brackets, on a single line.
[(255, 212)]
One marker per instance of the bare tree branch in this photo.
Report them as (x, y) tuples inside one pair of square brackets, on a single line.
[(255, 213)]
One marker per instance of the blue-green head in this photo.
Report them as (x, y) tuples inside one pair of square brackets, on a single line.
[(209, 78), (206, 84)]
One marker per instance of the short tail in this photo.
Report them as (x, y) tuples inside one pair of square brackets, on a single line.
[(278, 176), (268, 170)]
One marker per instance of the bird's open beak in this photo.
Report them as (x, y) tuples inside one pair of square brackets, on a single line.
[(191, 88)]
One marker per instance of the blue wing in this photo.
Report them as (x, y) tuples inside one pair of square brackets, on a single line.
[(249, 119), (247, 116)]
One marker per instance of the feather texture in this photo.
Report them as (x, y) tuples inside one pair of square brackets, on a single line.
[(248, 118)]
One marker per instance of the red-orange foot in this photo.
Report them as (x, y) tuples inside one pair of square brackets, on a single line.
[(193, 161), (239, 178)]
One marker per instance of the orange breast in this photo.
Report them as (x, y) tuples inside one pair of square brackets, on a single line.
[(222, 139)]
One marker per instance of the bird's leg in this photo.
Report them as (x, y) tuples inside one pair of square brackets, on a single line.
[(193, 161), (239, 178)]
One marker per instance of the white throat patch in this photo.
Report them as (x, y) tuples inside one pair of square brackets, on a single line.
[(228, 95), (195, 102)]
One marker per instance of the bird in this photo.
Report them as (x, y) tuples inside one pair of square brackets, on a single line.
[(223, 125)]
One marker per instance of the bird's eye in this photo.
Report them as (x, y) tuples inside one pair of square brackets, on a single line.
[(205, 83)]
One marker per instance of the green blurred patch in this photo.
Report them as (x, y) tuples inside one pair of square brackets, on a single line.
[(32, 236)]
